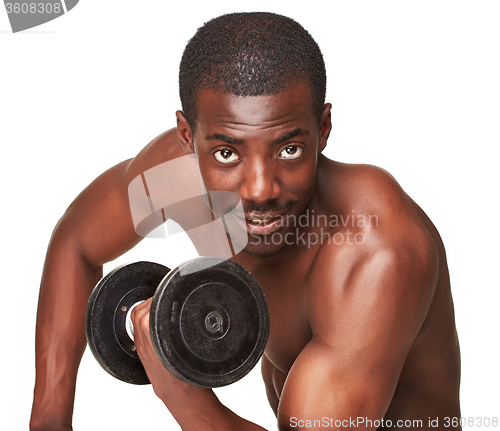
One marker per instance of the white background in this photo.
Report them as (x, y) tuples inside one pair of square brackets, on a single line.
[(415, 89)]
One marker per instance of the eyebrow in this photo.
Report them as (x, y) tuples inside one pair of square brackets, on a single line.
[(224, 138), (289, 135), (283, 138)]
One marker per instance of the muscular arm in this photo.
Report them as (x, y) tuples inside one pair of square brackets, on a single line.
[(95, 229), (363, 326)]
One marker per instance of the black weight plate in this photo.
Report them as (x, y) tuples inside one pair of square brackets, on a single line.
[(106, 314), (209, 327)]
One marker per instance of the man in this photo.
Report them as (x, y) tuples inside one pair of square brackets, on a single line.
[(362, 323)]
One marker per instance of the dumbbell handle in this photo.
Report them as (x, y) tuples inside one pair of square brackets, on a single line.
[(129, 326)]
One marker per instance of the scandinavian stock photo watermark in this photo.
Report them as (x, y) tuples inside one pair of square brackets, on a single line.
[(364, 422), (358, 422), (310, 229), (217, 221)]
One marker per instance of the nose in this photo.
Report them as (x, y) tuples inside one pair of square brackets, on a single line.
[(260, 182)]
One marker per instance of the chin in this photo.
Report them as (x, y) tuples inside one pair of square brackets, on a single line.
[(264, 250)]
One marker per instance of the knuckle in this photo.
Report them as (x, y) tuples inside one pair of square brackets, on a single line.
[(133, 314)]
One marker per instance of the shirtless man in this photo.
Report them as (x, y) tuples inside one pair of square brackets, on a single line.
[(362, 322)]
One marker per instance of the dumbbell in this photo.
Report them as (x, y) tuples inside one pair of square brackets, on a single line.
[(209, 320)]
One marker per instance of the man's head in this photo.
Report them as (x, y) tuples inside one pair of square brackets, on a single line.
[(250, 54), (254, 85)]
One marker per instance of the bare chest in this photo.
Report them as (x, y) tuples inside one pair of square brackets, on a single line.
[(289, 330)]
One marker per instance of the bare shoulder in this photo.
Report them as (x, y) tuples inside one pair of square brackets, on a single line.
[(377, 204), (381, 245), (98, 222), (163, 148)]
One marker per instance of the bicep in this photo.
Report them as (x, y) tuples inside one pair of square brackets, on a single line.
[(321, 384), (362, 332)]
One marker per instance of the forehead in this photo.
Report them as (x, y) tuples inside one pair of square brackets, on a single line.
[(292, 106)]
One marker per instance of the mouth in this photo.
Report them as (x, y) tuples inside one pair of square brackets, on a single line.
[(263, 224)]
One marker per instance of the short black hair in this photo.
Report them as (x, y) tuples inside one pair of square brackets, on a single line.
[(250, 54)]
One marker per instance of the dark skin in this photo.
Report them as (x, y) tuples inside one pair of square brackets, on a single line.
[(363, 328)]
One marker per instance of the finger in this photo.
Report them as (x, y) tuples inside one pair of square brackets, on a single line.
[(144, 306), (140, 311)]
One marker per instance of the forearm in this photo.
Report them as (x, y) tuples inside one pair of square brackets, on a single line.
[(194, 408), (199, 409), (60, 337)]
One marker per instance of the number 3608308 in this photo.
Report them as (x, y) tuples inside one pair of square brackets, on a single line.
[(33, 8)]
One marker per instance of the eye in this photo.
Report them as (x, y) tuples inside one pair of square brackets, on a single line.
[(291, 152), (226, 156)]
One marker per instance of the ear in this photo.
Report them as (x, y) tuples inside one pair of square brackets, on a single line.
[(325, 126), (184, 133)]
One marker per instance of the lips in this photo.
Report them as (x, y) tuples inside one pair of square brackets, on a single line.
[(263, 225)]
